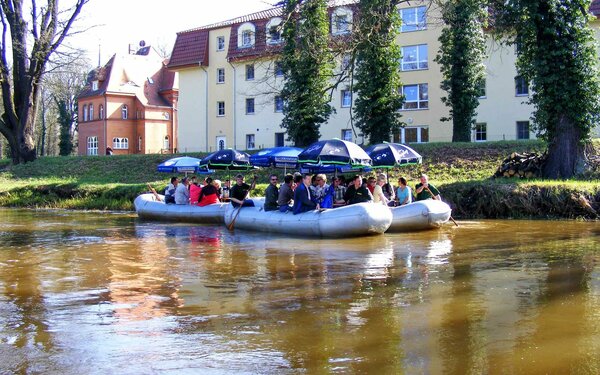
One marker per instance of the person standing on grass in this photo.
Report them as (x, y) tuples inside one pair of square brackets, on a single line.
[(425, 190)]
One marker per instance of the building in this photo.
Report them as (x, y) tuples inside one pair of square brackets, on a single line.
[(129, 106), (229, 83)]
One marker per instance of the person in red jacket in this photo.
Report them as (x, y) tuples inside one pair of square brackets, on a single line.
[(209, 194)]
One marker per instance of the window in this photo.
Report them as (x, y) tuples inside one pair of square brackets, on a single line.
[(341, 21), (221, 75), (101, 112), (249, 141), (140, 144), (91, 112), (279, 139), (346, 60), (273, 31), (521, 86), (245, 34), (221, 142), (278, 104), (92, 145), (250, 106), (120, 143), (414, 57), (522, 129), (124, 112), (480, 132), (347, 135), (94, 85), (166, 143), (85, 112), (220, 109), (249, 72), (413, 19), (278, 69), (246, 38), (412, 134), (415, 96), (220, 43), (481, 92), (346, 98)]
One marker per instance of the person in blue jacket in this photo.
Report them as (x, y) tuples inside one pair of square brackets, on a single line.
[(302, 198)]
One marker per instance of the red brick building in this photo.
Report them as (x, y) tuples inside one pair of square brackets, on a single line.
[(129, 106)]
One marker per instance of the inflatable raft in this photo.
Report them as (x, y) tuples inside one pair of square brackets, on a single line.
[(147, 207), (348, 221), (420, 215)]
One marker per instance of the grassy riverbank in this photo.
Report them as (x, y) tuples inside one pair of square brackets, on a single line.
[(461, 171)]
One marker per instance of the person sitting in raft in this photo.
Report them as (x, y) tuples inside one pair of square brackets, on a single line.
[(338, 192), (170, 190), (425, 190), (357, 192), (403, 194), (240, 192), (182, 194), (208, 195), (217, 184), (388, 189), (318, 190), (286, 193), (378, 196), (272, 194), (302, 198), (195, 190)]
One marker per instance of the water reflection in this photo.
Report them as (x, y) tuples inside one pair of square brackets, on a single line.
[(138, 297)]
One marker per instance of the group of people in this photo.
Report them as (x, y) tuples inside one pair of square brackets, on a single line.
[(189, 191), (300, 193)]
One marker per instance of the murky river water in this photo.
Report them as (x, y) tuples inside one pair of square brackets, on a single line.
[(107, 293)]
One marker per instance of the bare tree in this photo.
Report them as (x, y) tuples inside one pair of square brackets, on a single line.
[(46, 27)]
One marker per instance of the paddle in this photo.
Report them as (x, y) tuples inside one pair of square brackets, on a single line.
[(156, 196), (231, 225), (435, 199)]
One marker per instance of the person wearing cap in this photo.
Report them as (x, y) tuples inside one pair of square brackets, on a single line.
[(240, 192), (182, 194)]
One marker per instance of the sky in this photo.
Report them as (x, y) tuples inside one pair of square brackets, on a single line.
[(117, 23)]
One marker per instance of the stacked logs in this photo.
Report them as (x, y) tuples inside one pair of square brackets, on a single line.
[(525, 165)]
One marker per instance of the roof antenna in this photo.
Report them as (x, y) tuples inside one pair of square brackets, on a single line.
[(99, 48)]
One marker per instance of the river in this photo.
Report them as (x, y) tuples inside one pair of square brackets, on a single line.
[(99, 293)]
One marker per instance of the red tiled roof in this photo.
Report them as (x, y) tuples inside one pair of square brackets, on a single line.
[(190, 49), (595, 8), (260, 47)]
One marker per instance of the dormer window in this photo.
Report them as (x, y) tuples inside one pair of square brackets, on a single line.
[(341, 21), (94, 85), (273, 31), (246, 33)]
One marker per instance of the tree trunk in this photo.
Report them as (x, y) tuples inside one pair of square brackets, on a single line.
[(566, 153)]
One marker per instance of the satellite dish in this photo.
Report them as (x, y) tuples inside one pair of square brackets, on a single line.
[(142, 43)]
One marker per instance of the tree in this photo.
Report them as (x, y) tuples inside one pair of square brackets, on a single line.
[(377, 76), (21, 84), (307, 64), (556, 54), (461, 55)]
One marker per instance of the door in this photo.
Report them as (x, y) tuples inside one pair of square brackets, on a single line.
[(221, 142)]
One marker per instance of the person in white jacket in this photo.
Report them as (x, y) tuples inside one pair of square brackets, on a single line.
[(182, 194)]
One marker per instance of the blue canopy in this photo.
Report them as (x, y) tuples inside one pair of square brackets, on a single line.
[(391, 155), (228, 159), (317, 168), (278, 157), (334, 152), (182, 164)]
